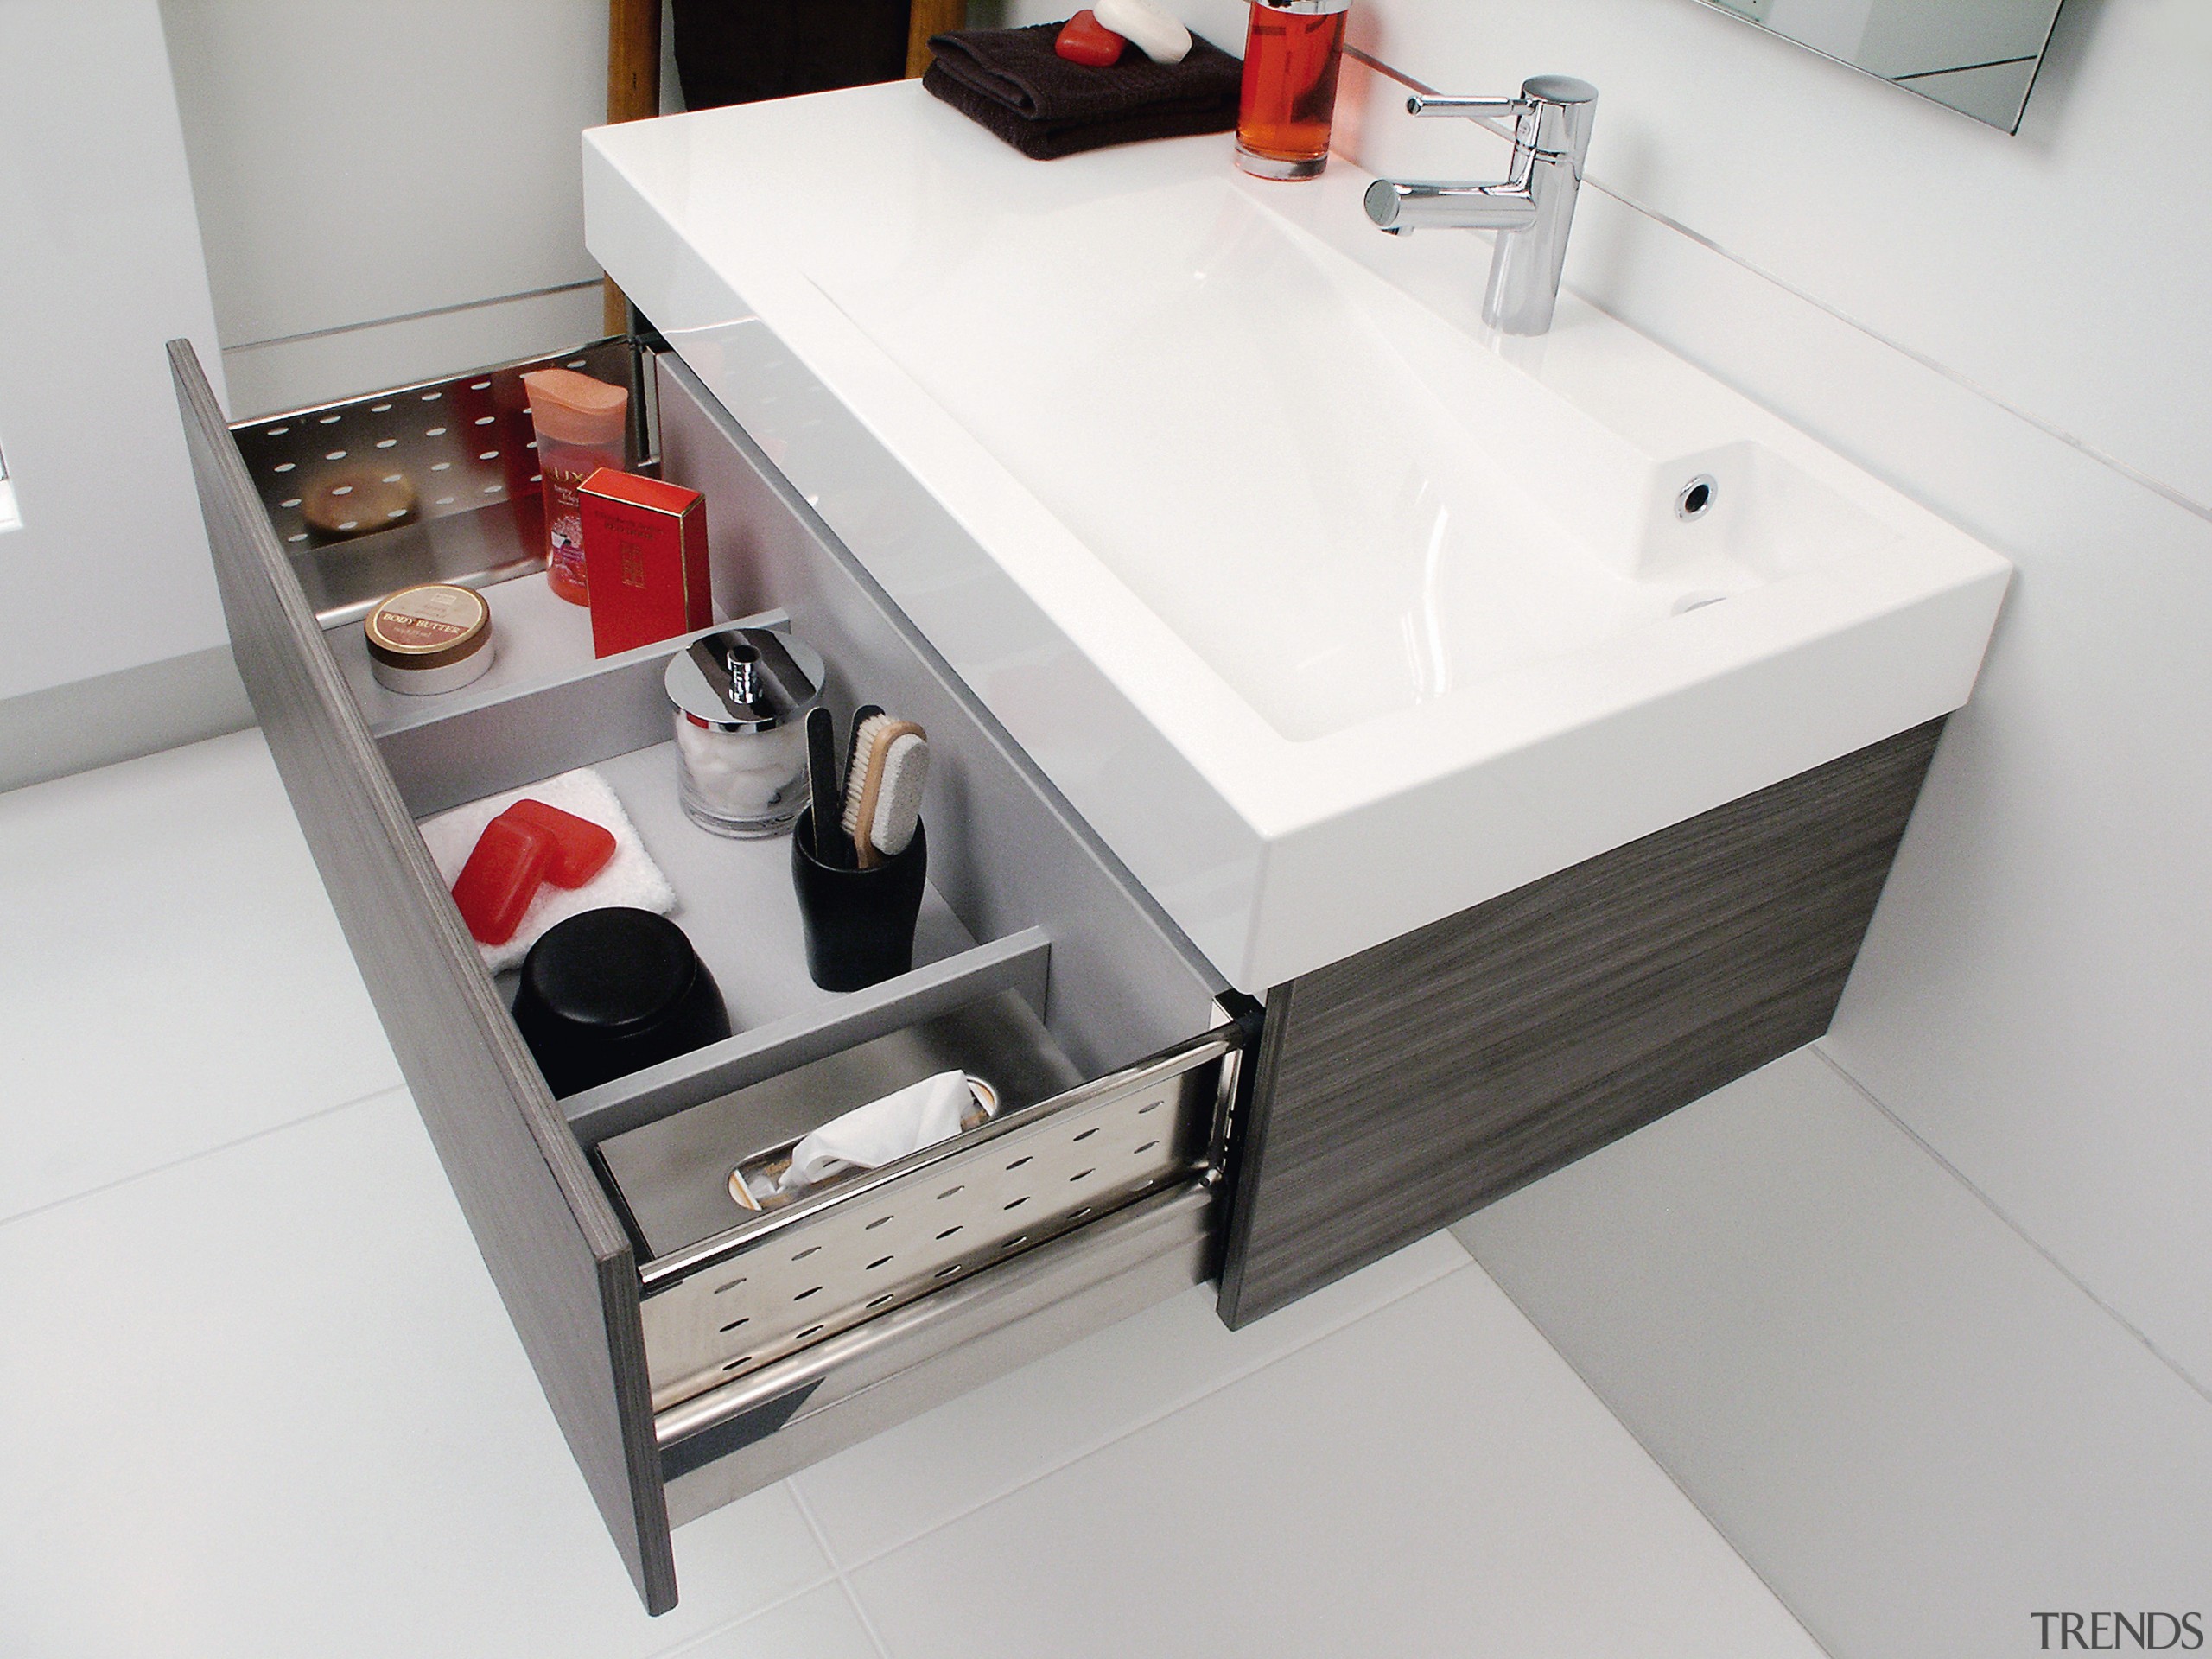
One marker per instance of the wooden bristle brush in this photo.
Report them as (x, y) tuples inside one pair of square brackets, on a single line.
[(883, 791), (846, 790)]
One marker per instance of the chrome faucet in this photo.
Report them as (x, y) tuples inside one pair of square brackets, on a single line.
[(1532, 208)]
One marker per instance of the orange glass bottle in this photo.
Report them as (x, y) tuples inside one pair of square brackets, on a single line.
[(1291, 50)]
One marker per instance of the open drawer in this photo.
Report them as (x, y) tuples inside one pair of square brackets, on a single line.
[(692, 1355)]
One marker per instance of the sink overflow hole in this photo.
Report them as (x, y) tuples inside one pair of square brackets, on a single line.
[(1696, 499)]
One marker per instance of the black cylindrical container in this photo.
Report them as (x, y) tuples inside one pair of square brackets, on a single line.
[(860, 924), (611, 992)]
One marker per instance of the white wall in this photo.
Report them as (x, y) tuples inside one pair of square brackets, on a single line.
[(2030, 999), (388, 191), (2012, 330), (99, 264), (384, 192)]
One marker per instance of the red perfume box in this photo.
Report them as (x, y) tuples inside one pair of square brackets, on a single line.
[(644, 560)]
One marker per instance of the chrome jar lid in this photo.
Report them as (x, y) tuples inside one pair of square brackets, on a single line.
[(746, 680)]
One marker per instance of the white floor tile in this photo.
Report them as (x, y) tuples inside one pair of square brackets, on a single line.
[(267, 1402), (1912, 1424), (171, 975), (892, 1488), (823, 1623), (1432, 1479)]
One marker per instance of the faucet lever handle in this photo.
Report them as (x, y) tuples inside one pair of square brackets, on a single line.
[(1474, 109), (1502, 116), (1561, 108)]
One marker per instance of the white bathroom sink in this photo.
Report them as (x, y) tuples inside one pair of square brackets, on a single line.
[(1331, 613), (1341, 503)]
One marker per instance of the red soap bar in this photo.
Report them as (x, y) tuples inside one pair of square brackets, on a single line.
[(510, 860), (1084, 39), (581, 847)]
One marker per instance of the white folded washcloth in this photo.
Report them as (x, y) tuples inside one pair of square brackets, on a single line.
[(883, 1131), (630, 877)]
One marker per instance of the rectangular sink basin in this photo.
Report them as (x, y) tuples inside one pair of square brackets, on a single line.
[(1332, 612), (1334, 500)]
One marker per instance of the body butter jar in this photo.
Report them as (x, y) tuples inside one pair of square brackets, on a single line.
[(429, 638), (742, 699)]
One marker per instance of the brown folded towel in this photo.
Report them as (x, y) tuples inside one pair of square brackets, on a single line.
[(1010, 81)]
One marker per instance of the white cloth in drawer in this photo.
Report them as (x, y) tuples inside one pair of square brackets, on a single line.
[(883, 1131), (630, 877)]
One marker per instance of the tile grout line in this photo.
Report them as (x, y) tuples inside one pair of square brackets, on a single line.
[(837, 1566), (1180, 1402), (205, 1152), (1998, 1210)]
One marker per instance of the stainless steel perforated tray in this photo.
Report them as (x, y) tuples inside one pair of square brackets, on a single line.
[(732, 1304), (671, 1177), (461, 450)]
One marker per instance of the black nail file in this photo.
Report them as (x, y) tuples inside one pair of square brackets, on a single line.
[(822, 786)]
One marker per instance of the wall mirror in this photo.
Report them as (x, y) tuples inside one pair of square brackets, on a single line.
[(1977, 56)]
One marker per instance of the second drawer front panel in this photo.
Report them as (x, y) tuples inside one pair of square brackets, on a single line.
[(797, 1278)]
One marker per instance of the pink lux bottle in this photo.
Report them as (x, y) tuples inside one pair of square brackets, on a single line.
[(1292, 51), (583, 425)]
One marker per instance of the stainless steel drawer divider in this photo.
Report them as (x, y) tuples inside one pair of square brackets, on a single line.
[(1020, 961), (472, 744), (467, 446)]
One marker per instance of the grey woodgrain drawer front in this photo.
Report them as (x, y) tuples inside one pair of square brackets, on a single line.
[(691, 1360)]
